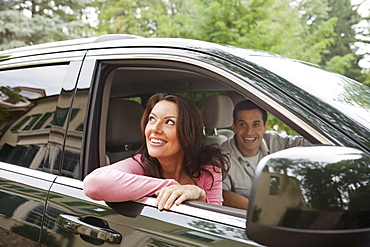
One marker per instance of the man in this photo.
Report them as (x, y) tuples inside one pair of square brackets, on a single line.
[(250, 143)]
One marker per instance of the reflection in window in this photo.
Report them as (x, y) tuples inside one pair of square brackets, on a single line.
[(20, 123), (60, 116), (70, 164), (80, 127), (30, 95), (19, 155), (33, 120), (5, 151), (74, 113), (48, 126), (43, 119)]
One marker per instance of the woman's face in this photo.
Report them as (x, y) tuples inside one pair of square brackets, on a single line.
[(161, 132)]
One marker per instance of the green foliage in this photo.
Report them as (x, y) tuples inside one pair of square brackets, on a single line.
[(4, 114), (342, 51), (132, 17), (32, 22), (340, 64), (274, 123), (318, 31), (366, 76), (11, 95)]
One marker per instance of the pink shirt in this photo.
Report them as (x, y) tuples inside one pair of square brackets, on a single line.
[(125, 181)]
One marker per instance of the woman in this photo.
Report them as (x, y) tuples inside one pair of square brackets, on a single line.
[(173, 163)]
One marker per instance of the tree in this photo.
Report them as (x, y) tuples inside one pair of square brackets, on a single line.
[(342, 56), (131, 17), (31, 22), (317, 31)]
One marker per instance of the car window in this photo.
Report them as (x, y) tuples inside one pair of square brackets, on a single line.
[(343, 93), (28, 98), (74, 134), (136, 83), (122, 92)]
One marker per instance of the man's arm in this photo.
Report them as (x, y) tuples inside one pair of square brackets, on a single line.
[(232, 199)]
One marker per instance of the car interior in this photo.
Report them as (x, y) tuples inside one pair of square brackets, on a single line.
[(131, 85), (123, 89), (128, 85)]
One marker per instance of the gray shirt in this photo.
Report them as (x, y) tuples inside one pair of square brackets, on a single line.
[(240, 176)]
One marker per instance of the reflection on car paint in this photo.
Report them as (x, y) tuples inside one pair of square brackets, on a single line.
[(323, 193)]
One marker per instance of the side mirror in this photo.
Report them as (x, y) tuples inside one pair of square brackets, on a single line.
[(311, 196)]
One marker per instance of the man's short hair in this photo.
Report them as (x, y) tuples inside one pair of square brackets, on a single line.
[(248, 105)]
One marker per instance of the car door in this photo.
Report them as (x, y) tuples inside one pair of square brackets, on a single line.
[(84, 222), (30, 88), (134, 74)]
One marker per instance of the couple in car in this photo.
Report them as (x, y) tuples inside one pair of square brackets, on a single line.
[(175, 164)]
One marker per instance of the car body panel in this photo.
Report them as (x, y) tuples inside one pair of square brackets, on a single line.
[(139, 223), (316, 195), (250, 61), (23, 197), (75, 141), (32, 144)]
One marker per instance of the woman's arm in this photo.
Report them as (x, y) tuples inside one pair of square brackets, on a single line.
[(213, 188), (122, 181), (207, 190)]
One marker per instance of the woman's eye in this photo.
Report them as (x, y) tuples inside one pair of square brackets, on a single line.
[(151, 119), (171, 122)]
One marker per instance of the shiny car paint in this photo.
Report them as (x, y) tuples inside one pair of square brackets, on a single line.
[(45, 204)]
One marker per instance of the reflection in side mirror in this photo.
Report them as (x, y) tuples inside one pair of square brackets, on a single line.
[(311, 196)]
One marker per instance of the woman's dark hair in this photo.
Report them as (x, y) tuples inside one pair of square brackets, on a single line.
[(191, 137)]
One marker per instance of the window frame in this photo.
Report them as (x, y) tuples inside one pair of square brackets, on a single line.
[(94, 133)]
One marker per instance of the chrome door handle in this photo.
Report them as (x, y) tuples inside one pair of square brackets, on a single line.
[(76, 225)]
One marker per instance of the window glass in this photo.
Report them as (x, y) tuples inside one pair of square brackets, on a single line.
[(28, 98), (60, 117), (33, 120), (73, 143), (41, 122)]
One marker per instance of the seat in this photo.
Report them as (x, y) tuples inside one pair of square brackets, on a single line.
[(123, 134), (217, 114)]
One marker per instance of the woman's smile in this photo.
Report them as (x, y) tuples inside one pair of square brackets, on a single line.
[(161, 132)]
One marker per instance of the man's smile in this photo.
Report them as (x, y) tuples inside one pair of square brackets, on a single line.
[(249, 139)]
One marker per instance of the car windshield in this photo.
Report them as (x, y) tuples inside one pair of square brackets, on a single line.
[(349, 96)]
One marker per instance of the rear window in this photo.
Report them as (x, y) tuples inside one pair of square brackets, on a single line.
[(28, 99)]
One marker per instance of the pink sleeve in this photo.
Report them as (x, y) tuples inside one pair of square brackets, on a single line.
[(122, 181), (213, 188)]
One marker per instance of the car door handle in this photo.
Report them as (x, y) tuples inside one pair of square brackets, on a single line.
[(76, 225)]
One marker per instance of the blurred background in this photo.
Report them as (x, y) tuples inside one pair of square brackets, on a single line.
[(331, 33)]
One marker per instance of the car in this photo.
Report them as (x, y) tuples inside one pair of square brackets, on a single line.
[(70, 107)]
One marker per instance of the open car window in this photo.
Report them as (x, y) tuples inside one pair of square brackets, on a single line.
[(125, 86)]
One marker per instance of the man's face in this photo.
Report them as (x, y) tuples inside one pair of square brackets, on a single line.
[(249, 130)]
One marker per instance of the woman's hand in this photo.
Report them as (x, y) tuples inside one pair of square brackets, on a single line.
[(176, 194)]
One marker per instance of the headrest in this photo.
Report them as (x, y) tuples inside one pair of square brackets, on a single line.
[(218, 112), (123, 123)]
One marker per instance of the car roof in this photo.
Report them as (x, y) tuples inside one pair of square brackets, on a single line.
[(116, 40), (271, 67)]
